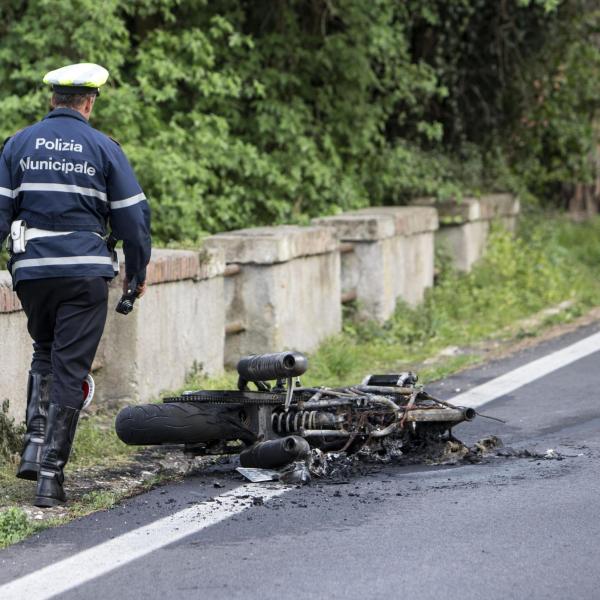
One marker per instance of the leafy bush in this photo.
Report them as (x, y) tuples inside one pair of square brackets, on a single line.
[(11, 435), (236, 112), (14, 526)]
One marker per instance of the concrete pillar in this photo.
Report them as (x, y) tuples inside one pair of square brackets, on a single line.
[(284, 292), (414, 255), (368, 261), (465, 224), (15, 350)]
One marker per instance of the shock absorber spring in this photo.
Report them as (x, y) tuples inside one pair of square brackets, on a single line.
[(294, 421)]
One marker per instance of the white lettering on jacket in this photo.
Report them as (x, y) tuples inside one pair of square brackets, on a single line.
[(58, 144), (57, 165)]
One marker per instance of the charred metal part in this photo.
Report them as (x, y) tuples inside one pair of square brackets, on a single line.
[(335, 392), (274, 454), (247, 397), (334, 402), (372, 398), (292, 422), (267, 367), (379, 389), (441, 415), (408, 407), (289, 394), (407, 378), (379, 433), (316, 396), (384, 414), (324, 433), (297, 472)]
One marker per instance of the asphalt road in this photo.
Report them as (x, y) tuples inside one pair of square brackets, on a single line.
[(509, 528)]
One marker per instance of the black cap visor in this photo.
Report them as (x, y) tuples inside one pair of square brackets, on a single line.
[(75, 89)]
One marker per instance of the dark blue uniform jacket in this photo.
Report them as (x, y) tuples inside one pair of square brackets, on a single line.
[(62, 175)]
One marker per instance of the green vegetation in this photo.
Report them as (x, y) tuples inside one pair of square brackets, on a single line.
[(553, 260), (237, 112), (97, 444), (14, 526), (11, 434)]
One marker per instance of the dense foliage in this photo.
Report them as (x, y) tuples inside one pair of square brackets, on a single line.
[(241, 112)]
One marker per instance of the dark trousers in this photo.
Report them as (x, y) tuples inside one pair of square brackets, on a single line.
[(65, 318)]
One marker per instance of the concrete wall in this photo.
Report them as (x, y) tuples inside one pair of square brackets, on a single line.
[(465, 224), (178, 326), (284, 292), (261, 290), (15, 348), (391, 256)]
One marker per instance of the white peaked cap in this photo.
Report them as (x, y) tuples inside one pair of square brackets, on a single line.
[(81, 75)]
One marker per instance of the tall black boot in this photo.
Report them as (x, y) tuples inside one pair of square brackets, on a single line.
[(38, 394), (60, 432)]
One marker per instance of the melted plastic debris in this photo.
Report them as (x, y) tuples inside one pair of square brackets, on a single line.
[(341, 467), (296, 472), (258, 475)]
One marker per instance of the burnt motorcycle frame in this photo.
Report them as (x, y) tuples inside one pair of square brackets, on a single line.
[(278, 423)]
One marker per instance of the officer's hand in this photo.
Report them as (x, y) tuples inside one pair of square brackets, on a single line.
[(140, 290)]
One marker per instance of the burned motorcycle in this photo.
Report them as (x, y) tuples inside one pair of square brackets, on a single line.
[(280, 422)]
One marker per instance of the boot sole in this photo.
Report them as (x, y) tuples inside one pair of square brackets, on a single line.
[(28, 471), (43, 502)]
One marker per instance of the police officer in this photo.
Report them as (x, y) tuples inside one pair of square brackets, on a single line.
[(62, 184)]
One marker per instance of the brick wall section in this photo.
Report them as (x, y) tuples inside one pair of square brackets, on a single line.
[(179, 265), (166, 266)]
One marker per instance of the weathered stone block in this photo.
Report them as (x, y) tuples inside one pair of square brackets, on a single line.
[(409, 220), (287, 292), (15, 349), (465, 224), (406, 260), (270, 245), (369, 270), (465, 242), (359, 227)]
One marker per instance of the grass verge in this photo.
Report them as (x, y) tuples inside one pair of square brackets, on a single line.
[(551, 261)]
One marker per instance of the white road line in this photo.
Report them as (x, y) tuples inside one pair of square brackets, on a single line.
[(509, 382), (84, 566)]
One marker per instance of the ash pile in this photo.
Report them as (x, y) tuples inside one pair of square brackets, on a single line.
[(341, 467)]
